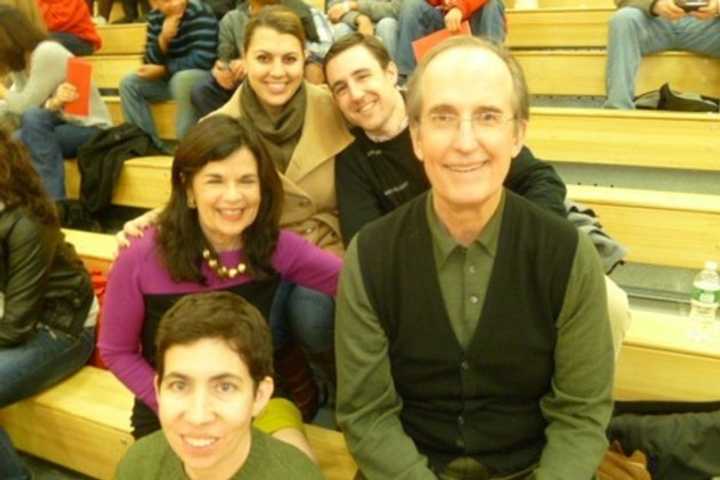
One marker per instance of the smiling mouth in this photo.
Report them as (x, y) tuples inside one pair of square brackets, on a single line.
[(467, 167), (231, 213), (199, 442), (277, 87)]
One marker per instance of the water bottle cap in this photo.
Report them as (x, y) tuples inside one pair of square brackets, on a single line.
[(711, 265)]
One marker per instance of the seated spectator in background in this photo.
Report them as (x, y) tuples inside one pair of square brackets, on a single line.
[(39, 91), (485, 349), (644, 27), (214, 376), (47, 305), (221, 82), (419, 18), (132, 12), (70, 23), (219, 231), (369, 17), (181, 46)]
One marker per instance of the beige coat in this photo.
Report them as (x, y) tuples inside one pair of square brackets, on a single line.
[(310, 207)]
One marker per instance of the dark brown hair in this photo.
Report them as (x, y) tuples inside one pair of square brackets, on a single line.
[(371, 43), (20, 185), (18, 37), (278, 18), (180, 238), (218, 315)]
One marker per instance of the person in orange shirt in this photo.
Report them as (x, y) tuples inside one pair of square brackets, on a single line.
[(419, 18), (69, 22)]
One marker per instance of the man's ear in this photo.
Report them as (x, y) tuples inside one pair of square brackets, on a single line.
[(519, 136), (392, 71), (264, 391), (156, 387), (416, 140)]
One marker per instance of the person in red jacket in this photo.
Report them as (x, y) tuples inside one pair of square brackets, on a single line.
[(69, 22), (419, 18)]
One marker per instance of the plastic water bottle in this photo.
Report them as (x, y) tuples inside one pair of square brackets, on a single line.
[(705, 299)]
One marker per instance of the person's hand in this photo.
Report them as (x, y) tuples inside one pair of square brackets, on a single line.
[(170, 27), (336, 12), (151, 71), (449, 4), (136, 227), (223, 75), (453, 19), (668, 10), (616, 466), (707, 12), (64, 93), (237, 67), (364, 25)]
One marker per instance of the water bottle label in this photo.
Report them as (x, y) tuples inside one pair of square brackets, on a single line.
[(706, 296)]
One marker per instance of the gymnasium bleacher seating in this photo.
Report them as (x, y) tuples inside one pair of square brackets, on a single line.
[(83, 423)]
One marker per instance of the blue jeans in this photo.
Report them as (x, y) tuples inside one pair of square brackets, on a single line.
[(304, 314), (386, 30), (50, 139), (632, 34), (76, 45), (44, 360), (136, 93), (418, 19)]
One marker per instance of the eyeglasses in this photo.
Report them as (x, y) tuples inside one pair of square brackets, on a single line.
[(480, 121)]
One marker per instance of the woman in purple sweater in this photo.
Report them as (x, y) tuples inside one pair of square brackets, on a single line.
[(219, 231)]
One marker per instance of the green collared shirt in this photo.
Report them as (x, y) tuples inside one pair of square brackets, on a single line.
[(576, 407), (464, 272)]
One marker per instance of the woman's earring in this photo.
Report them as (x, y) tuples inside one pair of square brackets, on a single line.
[(191, 203)]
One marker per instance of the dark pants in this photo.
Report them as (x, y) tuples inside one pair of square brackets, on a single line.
[(76, 45), (130, 7), (207, 96)]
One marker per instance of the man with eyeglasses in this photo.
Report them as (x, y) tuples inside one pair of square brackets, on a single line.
[(472, 334)]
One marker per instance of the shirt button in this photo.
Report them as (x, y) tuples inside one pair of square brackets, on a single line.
[(465, 365), (461, 420), (474, 299), (471, 269), (459, 443)]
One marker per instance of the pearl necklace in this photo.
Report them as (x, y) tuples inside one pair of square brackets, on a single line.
[(221, 270)]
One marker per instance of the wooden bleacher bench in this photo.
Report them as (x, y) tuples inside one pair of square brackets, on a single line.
[(561, 135), (659, 361), (122, 39), (625, 137), (659, 228), (546, 72), (558, 27), (96, 249)]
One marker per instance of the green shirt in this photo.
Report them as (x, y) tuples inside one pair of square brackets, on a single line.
[(269, 459), (577, 407)]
